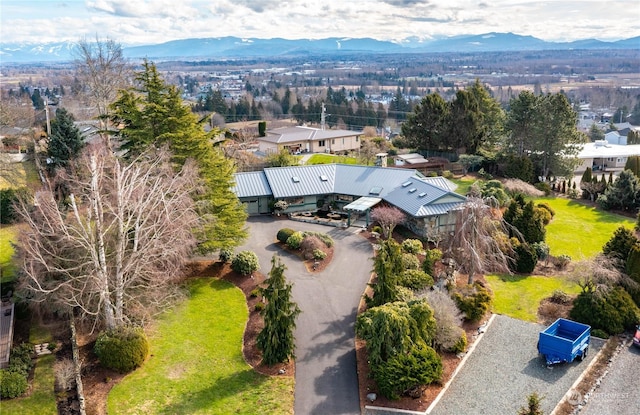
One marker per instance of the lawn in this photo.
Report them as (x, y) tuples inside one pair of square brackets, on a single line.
[(18, 174), (196, 364), (42, 400), (7, 235), (578, 230), (464, 184), (331, 158), (519, 296)]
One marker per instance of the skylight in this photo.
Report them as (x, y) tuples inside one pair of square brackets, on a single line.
[(423, 194), (375, 190), (413, 189), (324, 178), (405, 184), (295, 179)]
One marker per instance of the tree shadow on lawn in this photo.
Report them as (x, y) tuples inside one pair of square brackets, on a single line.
[(206, 399), (606, 216)]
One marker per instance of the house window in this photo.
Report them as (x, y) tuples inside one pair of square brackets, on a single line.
[(357, 138), (333, 141), (295, 200), (345, 198), (343, 141), (321, 143)]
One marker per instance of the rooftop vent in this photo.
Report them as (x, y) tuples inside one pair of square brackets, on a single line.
[(407, 183), (324, 178), (413, 189), (375, 190), (423, 194), (295, 179)]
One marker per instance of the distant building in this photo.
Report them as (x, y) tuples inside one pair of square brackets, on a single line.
[(302, 139), (602, 156)]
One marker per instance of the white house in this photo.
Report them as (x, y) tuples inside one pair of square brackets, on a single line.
[(302, 139)]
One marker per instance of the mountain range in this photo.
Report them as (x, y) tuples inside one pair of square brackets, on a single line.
[(239, 48)]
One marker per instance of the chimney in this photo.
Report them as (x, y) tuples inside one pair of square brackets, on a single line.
[(381, 159)]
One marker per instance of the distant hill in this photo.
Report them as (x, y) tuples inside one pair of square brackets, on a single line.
[(234, 47)]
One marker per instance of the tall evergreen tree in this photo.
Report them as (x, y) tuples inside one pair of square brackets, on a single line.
[(388, 266), (153, 114), (276, 340), (426, 128), (65, 142)]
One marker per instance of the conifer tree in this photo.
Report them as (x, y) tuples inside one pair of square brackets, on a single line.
[(153, 114), (276, 340), (65, 142), (388, 266)]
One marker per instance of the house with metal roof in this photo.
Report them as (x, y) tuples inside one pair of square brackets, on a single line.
[(429, 202), (303, 139)]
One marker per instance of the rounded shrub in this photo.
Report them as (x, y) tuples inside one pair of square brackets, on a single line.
[(295, 240), (410, 261), (562, 261), (599, 334), (415, 279), (473, 300), (284, 234), (612, 311), (404, 373), (319, 254), (20, 359), (461, 344), (430, 259), (12, 384), (245, 263), (412, 246), (259, 306), (226, 255), (543, 186), (122, 349), (546, 206)]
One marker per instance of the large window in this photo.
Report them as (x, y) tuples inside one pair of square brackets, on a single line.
[(321, 143), (295, 200), (344, 198)]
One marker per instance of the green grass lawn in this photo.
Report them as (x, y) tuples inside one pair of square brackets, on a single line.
[(18, 174), (519, 296), (7, 235), (331, 158), (42, 399), (196, 364), (463, 185), (578, 230)]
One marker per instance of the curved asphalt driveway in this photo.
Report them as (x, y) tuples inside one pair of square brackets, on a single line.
[(326, 377)]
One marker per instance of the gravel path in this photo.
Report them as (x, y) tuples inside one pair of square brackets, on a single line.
[(505, 368), (618, 393)]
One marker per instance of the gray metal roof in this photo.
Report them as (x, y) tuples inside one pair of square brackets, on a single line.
[(251, 184), (360, 180), (301, 133), (415, 196), (441, 182), (405, 188), (301, 180)]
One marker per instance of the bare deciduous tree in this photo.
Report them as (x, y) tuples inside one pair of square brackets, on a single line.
[(474, 244), (599, 274), (103, 70), (113, 255), (388, 217)]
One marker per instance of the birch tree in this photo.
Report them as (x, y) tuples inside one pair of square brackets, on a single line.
[(114, 252)]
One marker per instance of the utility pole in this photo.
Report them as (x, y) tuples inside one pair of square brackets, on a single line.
[(46, 111), (322, 116)]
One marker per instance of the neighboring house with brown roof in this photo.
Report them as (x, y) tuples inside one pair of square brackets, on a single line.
[(302, 139)]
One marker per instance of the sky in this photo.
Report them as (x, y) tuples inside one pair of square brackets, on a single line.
[(140, 22)]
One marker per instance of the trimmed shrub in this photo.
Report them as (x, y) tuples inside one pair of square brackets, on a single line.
[(415, 279), (412, 246), (430, 259), (255, 293), (259, 306), (245, 263), (541, 249), (326, 239), (473, 300), (599, 334), (123, 349), (620, 244), (543, 186), (284, 234), (295, 240), (612, 311), (377, 229), (226, 255), (20, 360), (526, 258), (319, 254), (405, 294), (410, 261), (12, 384), (560, 297), (461, 344), (546, 207), (403, 373)]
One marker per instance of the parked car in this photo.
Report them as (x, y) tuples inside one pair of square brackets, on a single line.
[(564, 341), (636, 338)]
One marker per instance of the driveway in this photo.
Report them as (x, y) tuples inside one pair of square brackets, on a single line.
[(618, 393), (326, 377), (505, 368)]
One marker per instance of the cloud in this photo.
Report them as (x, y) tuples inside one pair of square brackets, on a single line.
[(142, 9), (260, 6), (406, 3)]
